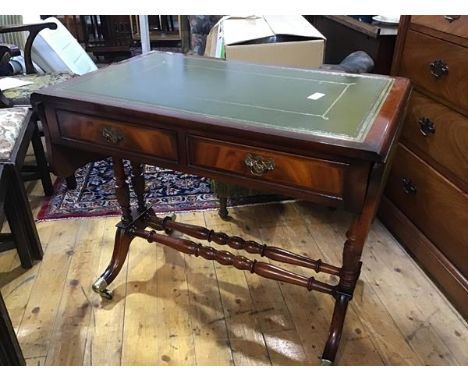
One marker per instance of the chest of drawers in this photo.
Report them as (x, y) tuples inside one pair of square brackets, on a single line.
[(426, 199)]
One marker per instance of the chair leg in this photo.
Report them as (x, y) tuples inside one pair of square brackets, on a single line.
[(10, 351), (171, 21), (21, 220), (71, 182), (19, 232), (41, 161)]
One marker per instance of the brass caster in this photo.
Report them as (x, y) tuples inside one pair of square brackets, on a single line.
[(106, 293), (100, 287), (326, 362)]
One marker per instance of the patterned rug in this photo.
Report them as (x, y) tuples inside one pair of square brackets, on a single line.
[(166, 191)]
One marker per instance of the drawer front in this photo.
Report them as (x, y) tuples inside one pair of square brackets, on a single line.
[(440, 133), (455, 25), (433, 204), (437, 66), (323, 177), (118, 135)]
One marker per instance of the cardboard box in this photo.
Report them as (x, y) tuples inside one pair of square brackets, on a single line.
[(273, 40)]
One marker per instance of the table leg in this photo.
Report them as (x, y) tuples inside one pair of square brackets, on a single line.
[(336, 328), (122, 191), (138, 183), (344, 293), (349, 275), (121, 245), (223, 211), (123, 236)]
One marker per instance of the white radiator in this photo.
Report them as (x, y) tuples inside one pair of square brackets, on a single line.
[(17, 38)]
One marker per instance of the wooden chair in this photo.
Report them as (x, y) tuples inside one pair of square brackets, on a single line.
[(21, 96), (17, 130), (10, 351)]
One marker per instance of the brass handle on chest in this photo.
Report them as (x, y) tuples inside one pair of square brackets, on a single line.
[(112, 135), (426, 126), (259, 165), (408, 186), (438, 68), (451, 19)]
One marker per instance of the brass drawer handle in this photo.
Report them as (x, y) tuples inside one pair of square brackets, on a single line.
[(426, 126), (112, 135), (408, 186), (451, 19), (259, 165), (438, 68)]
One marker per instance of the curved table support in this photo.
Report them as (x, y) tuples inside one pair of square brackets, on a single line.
[(336, 328), (123, 238)]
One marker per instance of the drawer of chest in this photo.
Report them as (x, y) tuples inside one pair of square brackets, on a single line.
[(439, 133), (115, 136), (454, 25), (316, 175), (432, 203), (437, 66)]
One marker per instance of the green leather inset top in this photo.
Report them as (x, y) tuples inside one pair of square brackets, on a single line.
[(311, 102)]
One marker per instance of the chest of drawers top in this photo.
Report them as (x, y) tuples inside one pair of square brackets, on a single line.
[(435, 57), (452, 27)]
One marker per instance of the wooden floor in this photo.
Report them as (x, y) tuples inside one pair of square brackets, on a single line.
[(172, 309)]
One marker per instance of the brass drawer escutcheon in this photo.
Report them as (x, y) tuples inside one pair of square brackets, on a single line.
[(259, 165), (408, 186), (426, 126), (438, 68), (112, 135)]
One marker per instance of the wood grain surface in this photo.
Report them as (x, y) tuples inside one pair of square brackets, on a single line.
[(310, 173), (447, 146), (420, 51), (170, 309), (457, 27), (118, 135), (434, 200)]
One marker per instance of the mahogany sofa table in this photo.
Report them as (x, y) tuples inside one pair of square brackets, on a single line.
[(321, 136)]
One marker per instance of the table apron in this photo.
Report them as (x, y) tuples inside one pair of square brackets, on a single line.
[(338, 182)]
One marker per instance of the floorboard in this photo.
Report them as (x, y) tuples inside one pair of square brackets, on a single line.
[(174, 309)]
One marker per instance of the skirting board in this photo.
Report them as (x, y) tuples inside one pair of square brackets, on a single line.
[(451, 282)]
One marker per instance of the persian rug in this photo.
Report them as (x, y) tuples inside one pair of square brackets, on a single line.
[(166, 191)]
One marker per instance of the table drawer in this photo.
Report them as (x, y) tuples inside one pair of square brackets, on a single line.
[(439, 132), (438, 66), (455, 25), (433, 204), (312, 174), (117, 135)]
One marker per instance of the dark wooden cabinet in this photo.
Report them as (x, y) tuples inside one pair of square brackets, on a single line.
[(164, 31), (426, 199), (346, 35), (107, 36)]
